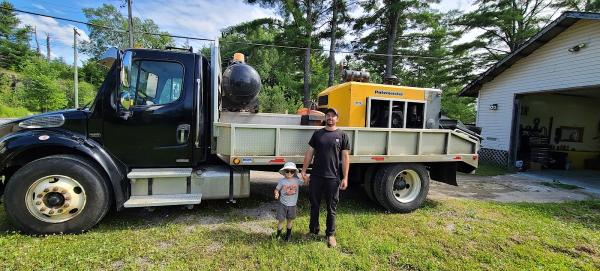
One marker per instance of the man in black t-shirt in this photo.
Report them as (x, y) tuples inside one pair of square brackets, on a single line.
[(330, 147)]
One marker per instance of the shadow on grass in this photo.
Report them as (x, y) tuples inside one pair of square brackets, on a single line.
[(209, 212)]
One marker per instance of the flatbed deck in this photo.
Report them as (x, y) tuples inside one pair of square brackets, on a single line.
[(264, 144)]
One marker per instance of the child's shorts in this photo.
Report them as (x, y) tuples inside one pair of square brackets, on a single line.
[(285, 212)]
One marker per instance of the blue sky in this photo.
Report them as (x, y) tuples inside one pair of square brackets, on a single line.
[(178, 17)]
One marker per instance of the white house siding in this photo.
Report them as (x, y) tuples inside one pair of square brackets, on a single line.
[(550, 67)]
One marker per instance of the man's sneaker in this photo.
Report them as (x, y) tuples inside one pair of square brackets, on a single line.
[(331, 241)]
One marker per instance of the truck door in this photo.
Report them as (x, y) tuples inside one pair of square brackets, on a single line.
[(151, 125)]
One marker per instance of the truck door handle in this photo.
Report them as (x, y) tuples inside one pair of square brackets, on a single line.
[(183, 133)]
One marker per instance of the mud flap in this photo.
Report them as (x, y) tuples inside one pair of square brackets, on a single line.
[(443, 172)]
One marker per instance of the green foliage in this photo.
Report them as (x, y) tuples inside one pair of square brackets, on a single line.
[(9, 93), (14, 48), (41, 88), (506, 24), (13, 112), (578, 5), (455, 107), (86, 92), (92, 72), (109, 16), (273, 100)]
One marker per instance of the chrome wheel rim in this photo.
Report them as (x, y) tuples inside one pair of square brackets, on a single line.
[(55, 198), (407, 186)]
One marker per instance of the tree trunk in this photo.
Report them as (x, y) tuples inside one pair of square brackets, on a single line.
[(307, 54), (391, 42), (332, 43)]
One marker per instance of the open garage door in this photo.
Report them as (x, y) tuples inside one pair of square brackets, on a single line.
[(558, 130)]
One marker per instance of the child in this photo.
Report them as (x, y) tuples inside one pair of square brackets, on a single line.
[(287, 193)]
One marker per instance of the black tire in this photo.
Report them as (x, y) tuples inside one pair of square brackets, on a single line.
[(401, 200), (96, 195), (369, 178)]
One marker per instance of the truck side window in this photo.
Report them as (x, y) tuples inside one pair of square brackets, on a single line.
[(157, 82)]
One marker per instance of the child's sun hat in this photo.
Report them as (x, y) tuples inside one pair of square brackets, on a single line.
[(288, 166)]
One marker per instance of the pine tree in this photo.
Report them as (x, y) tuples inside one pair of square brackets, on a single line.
[(14, 46), (505, 25), (387, 23), (578, 5)]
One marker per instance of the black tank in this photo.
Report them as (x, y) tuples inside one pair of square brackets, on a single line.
[(241, 85)]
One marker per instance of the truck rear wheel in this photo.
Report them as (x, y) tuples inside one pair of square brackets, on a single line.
[(56, 194), (401, 187)]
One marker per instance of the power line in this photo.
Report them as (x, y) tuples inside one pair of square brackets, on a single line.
[(102, 26), (207, 39)]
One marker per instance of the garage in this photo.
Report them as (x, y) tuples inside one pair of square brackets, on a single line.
[(558, 130), (539, 107)]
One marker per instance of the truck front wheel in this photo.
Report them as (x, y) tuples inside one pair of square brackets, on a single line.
[(401, 187), (56, 194)]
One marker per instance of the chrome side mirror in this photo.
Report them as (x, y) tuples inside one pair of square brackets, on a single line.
[(126, 100)]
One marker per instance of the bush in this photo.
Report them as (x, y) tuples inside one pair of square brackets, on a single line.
[(41, 87), (273, 100)]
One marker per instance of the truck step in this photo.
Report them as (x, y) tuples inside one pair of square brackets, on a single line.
[(163, 200), (145, 173)]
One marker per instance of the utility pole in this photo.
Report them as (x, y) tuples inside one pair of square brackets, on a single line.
[(130, 24), (48, 46), (75, 77)]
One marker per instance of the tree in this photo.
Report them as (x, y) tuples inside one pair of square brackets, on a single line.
[(301, 19), (86, 92), (92, 72), (506, 24), (339, 18), (578, 5), (279, 68), (14, 47), (383, 25), (104, 37), (41, 87)]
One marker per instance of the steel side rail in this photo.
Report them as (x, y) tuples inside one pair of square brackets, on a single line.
[(263, 144)]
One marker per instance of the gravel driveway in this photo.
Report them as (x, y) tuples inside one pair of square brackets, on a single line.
[(503, 188)]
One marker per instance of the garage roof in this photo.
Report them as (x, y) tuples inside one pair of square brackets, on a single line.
[(544, 36)]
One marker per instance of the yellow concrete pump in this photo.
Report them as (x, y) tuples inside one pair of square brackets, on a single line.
[(362, 104)]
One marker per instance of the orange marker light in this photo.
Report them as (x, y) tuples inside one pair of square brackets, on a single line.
[(239, 57), (236, 161)]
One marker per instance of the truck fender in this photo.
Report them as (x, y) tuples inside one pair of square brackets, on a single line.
[(27, 145)]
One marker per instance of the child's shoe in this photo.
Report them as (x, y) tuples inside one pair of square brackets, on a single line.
[(278, 234), (288, 235)]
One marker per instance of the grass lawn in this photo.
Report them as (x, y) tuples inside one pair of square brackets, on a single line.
[(443, 235), (11, 112), (491, 170)]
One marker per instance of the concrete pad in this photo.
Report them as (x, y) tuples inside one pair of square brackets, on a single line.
[(506, 188), (586, 179)]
